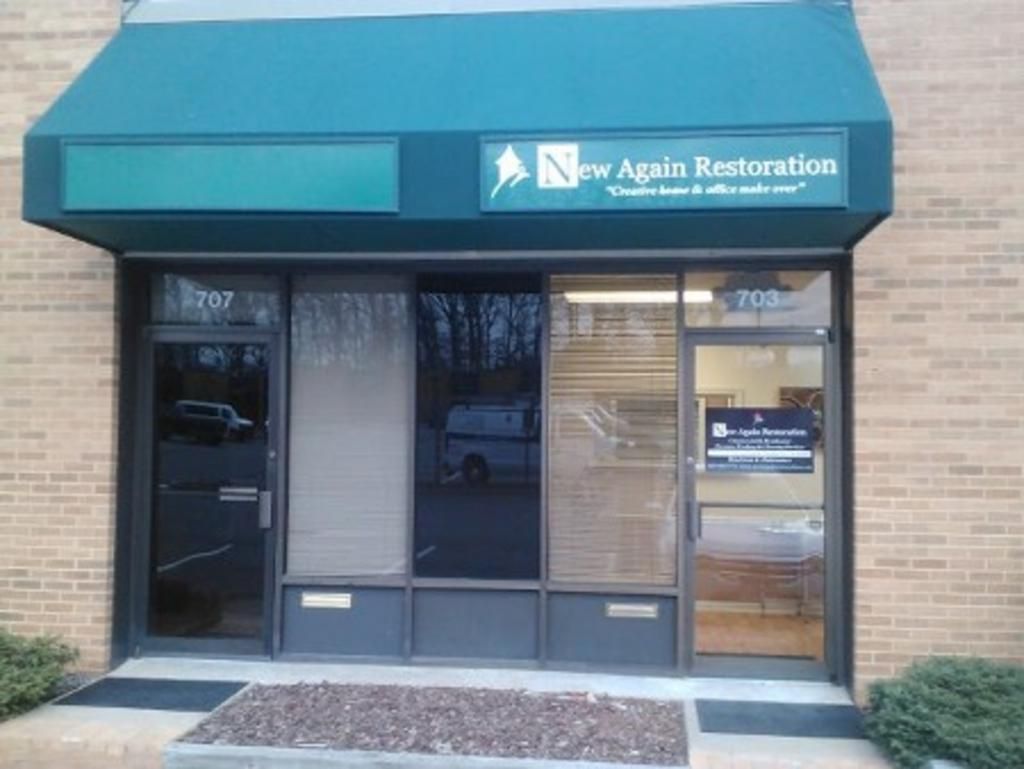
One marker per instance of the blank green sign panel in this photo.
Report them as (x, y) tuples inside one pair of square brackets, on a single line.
[(348, 177)]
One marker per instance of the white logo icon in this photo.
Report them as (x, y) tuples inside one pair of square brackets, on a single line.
[(511, 170), (719, 430), (558, 166)]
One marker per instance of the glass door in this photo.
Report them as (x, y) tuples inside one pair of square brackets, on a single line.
[(212, 491), (756, 462)]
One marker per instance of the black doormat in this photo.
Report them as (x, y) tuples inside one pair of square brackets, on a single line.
[(777, 719), (153, 694)]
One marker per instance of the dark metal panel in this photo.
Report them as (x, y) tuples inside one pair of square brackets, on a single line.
[(617, 588), (277, 470), (581, 630), (832, 498), (371, 627), (212, 334), (682, 521), (328, 581), (471, 624), (463, 583), (843, 600), (130, 306), (274, 433), (428, 262), (142, 497), (755, 336), (687, 493), (545, 406), (410, 506), (481, 585)]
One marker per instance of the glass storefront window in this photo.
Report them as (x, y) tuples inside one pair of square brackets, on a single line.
[(215, 300), (759, 299), (612, 459), (478, 427), (417, 410), (351, 417)]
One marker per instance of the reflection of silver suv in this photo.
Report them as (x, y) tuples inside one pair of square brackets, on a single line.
[(207, 422)]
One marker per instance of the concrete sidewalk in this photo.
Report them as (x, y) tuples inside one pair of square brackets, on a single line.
[(70, 737), (644, 687)]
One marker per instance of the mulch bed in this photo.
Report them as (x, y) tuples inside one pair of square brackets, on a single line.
[(451, 721)]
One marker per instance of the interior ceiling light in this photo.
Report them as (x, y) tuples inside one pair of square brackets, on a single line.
[(700, 296)]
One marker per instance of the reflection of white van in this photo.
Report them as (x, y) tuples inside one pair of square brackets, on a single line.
[(493, 442)]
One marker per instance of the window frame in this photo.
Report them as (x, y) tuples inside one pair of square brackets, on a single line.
[(136, 321)]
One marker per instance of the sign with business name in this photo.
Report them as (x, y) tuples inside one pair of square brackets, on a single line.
[(796, 170), (756, 440)]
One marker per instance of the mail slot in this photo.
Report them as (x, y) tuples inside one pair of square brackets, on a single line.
[(631, 610), (326, 600)]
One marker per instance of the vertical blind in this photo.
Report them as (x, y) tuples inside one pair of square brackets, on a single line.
[(351, 417), (612, 430)]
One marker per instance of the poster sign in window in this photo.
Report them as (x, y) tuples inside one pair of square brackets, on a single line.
[(759, 440)]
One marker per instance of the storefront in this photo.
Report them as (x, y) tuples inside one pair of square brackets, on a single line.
[(517, 338)]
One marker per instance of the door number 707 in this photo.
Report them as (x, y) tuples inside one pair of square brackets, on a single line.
[(215, 300)]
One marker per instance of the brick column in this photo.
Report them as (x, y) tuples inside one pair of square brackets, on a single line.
[(57, 359), (939, 304)]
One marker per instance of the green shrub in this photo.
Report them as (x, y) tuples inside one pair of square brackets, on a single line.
[(966, 710), (30, 669)]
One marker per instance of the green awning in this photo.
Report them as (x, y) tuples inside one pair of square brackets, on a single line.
[(371, 134)]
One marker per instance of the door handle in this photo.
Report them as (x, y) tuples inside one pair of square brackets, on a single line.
[(237, 493), (266, 509), (692, 520)]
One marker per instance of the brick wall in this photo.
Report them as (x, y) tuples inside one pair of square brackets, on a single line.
[(57, 358), (940, 342)]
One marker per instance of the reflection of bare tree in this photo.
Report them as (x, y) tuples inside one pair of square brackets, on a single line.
[(357, 328), (214, 358), (478, 331)]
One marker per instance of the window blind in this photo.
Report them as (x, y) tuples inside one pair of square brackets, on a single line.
[(612, 431), (351, 417)]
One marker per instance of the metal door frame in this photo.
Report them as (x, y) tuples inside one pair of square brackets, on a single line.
[(835, 568), (139, 335), (142, 642)]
